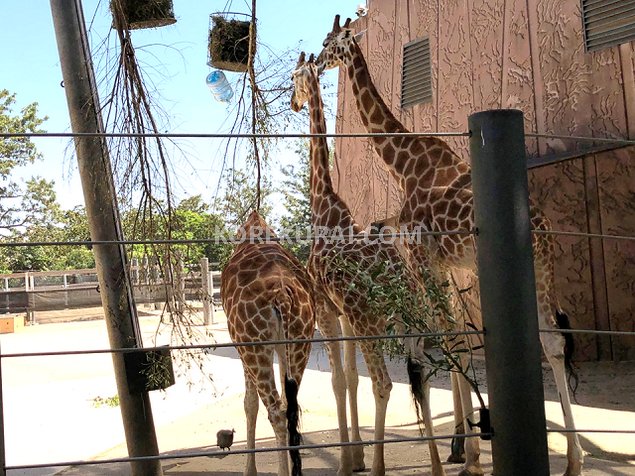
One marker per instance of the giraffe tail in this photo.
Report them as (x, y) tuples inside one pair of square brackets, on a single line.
[(291, 387), (293, 424), (415, 376), (562, 321)]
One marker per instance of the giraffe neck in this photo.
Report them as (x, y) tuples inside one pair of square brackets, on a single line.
[(327, 209), (377, 117)]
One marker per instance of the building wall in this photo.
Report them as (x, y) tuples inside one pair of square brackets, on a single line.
[(528, 55)]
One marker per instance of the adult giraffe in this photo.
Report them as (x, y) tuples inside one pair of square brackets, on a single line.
[(331, 219), (267, 295), (437, 191)]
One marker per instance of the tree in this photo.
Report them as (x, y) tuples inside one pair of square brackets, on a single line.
[(18, 202), (296, 188), (241, 198), (192, 220)]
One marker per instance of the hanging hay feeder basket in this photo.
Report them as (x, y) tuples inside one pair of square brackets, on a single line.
[(148, 13), (228, 41)]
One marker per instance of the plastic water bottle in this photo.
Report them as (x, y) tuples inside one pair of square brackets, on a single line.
[(219, 86)]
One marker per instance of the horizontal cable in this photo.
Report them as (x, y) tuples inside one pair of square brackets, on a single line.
[(202, 135), (222, 345), (566, 430), (317, 340), (233, 240), (583, 234), (199, 454), (292, 135), (590, 331), (581, 138)]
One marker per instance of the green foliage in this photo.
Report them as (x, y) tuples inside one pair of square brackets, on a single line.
[(241, 198), (191, 220), (19, 203), (106, 401), (17, 151), (47, 222), (296, 189), (388, 291), (157, 370)]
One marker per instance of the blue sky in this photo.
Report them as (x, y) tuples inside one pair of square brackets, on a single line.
[(31, 69)]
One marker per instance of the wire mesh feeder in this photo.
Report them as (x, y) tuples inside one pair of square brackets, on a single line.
[(148, 13), (228, 41)]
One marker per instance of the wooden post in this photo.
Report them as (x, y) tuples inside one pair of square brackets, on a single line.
[(206, 293)]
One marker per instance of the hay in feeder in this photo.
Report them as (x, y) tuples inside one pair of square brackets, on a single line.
[(148, 13), (229, 44)]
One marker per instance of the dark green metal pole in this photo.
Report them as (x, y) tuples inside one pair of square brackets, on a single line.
[(508, 293), (99, 197)]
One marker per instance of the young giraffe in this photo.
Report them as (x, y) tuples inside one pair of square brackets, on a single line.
[(267, 295), (437, 190), (330, 217)]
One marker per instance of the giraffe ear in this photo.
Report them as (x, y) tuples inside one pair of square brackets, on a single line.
[(359, 35)]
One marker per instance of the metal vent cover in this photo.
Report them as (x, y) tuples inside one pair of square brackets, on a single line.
[(607, 23), (416, 76)]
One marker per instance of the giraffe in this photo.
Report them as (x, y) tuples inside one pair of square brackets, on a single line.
[(267, 295), (437, 190), (330, 216)]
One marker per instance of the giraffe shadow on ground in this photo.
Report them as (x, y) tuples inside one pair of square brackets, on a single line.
[(605, 385)]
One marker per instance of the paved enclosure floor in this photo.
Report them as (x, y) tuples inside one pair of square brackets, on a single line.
[(50, 412)]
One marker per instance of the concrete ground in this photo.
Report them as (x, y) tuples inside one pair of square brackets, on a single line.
[(50, 413)]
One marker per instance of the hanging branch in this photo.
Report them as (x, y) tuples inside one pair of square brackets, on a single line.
[(254, 96), (142, 166)]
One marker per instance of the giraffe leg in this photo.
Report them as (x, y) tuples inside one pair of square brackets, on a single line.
[(420, 385), (472, 465), (382, 385), (268, 393), (553, 346), (352, 382), (457, 454), (251, 414), (327, 324)]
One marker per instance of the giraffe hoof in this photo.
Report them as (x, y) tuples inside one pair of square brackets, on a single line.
[(472, 471), (458, 459), (358, 459)]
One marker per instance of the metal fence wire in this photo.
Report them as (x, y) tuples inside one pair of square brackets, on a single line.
[(215, 346)]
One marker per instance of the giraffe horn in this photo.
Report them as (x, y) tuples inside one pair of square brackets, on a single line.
[(311, 58), (301, 59), (347, 24), (336, 24)]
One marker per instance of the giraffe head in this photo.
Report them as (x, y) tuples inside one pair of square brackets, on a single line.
[(338, 46), (303, 72)]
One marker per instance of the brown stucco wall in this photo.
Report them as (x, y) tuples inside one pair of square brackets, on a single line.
[(529, 55)]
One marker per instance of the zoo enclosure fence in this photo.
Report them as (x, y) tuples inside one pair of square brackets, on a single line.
[(4, 467)]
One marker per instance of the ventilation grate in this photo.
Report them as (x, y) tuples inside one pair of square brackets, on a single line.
[(607, 23), (416, 78)]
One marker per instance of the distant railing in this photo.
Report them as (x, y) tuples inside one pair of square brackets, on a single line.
[(32, 291)]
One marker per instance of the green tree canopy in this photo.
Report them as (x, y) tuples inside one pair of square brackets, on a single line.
[(19, 203), (240, 198), (295, 190)]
